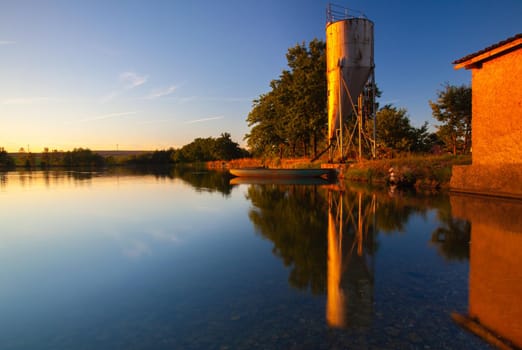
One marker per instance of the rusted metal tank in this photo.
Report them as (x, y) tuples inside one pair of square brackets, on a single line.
[(349, 63)]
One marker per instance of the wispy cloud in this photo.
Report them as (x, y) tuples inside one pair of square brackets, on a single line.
[(110, 96), (106, 116), (132, 79), (187, 99), (26, 100), (204, 120), (161, 92), (155, 121), (7, 42), (129, 80), (231, 99)]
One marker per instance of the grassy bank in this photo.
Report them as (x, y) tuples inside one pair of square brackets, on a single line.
[(413, 171), (421, 172), (286, 163)]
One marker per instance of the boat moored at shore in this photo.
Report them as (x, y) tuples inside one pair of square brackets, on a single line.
[(283, 173)]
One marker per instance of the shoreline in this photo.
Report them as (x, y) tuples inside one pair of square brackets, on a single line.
[(428, 172)]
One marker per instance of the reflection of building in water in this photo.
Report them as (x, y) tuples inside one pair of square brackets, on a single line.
[(350, 274), (495, 278)]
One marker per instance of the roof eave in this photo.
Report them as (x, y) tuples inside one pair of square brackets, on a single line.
[(476, 61)]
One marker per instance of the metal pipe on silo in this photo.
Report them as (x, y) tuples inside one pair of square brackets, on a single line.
[(349, 66)]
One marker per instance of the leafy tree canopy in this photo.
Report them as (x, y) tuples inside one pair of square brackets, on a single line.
[(395, 132), (453, 109), (291, 118), (6, 161)]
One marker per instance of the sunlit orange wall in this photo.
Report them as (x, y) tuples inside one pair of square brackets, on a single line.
[(497, 110), (496, 129), (495, 280)]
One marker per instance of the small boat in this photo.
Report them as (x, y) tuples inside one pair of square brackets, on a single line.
[(282, 173)]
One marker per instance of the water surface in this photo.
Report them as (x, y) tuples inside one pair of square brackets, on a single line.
[(185, 260)]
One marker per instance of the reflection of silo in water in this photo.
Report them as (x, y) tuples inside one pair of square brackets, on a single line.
[(349, 280), (335, 298), (349, 65)]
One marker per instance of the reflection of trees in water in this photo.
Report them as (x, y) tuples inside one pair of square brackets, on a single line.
[(81, 175), (326, 238), (394, 211), (392, 217), (207, 181), (3, 180), (452, 238), (200, 179), (294, 218)]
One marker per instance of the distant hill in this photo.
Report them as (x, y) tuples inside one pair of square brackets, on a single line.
[(113, 153), (104, 153)]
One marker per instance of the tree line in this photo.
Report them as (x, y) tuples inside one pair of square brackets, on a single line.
[(6, 161), (290, 120), (199, 150)]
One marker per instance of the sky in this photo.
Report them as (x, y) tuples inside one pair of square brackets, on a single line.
[(146, 75)]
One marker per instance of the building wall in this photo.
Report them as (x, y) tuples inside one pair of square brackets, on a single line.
[(496, 130), (497, 110)]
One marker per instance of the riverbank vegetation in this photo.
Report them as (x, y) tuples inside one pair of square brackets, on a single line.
[(415, 171), (201, 150), (290, 120), (419, 171), (6, 161), (222, 148)]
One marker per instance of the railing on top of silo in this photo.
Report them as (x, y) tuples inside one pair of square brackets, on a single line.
[(336, 12)]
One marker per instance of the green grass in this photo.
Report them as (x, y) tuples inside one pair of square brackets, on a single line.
[(429, 171)]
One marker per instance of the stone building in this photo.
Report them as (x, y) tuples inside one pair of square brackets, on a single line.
[(496, 121)]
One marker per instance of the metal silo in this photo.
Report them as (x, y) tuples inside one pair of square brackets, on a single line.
[(349, 66)]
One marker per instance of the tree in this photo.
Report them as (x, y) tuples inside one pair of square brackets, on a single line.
[(395, 132), (6, 161), (82, 158), (422, 140), (207, 149), (453, 110), (393, 128), (308, 92), (46, 158), (225, 148), (291, 118)]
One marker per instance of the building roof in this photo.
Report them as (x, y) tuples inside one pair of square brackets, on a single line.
[(475, 60)]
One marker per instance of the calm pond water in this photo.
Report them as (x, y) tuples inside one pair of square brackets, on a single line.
[(186, 260)]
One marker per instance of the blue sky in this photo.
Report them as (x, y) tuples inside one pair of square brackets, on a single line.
[(156, 74)]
